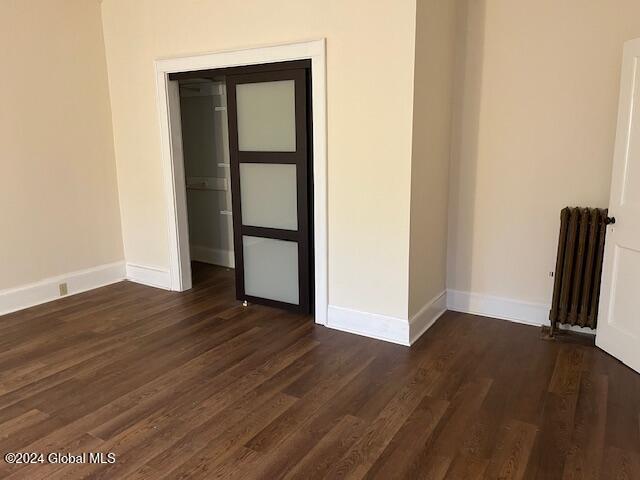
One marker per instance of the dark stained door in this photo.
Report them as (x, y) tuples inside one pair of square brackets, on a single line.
[(270, 171)]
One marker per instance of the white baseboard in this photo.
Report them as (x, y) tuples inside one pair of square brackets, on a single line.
[(46, 290), (528, 313), (383, 327), (427, 316), (150, 276), (215, 256)]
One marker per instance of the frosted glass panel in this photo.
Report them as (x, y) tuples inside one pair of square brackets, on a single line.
[(271, 269), (269, 195), (266, 116)]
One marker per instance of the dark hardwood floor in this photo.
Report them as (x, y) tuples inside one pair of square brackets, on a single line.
[(193, 385)]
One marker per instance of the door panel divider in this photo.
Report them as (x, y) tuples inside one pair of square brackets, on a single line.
[(277, 233)]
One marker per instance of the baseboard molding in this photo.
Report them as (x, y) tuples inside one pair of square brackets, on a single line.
[(383, 327), (214, 256), (150, 276), (528, 313), (30, 295), (427, 316)]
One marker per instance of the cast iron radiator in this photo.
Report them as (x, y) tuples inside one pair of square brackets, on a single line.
[(576, 289)]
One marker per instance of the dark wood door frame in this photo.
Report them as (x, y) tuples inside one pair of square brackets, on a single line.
[(216, 73)]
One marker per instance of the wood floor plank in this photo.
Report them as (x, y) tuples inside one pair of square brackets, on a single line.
[(331, 447), (364, 453), (161, 430), (587, 442), (555, 434), (286, 440), (566, 376), (447, 440), (466, 467), (26, 420), (513, 452), (206, 430), (233, 438), (309, 403), (410, 439), (620, 464)]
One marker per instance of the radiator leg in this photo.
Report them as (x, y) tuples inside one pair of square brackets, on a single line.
[(552, 329)]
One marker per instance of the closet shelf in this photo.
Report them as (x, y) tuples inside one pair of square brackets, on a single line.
[(207, 183)]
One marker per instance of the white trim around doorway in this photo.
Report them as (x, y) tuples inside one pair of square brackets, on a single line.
[(175, 191)]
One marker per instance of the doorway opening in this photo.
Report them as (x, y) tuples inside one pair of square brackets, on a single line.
[(242, 139), (168, 101), (205, 145)]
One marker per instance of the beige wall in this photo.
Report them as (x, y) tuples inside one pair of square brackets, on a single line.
[(370, 56), (535, 88), (534, 133), (436, 34), (58, 182)]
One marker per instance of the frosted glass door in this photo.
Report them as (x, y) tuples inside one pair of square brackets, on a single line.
[(266, 116), (270, 165), (271, 268), (269, 194)]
